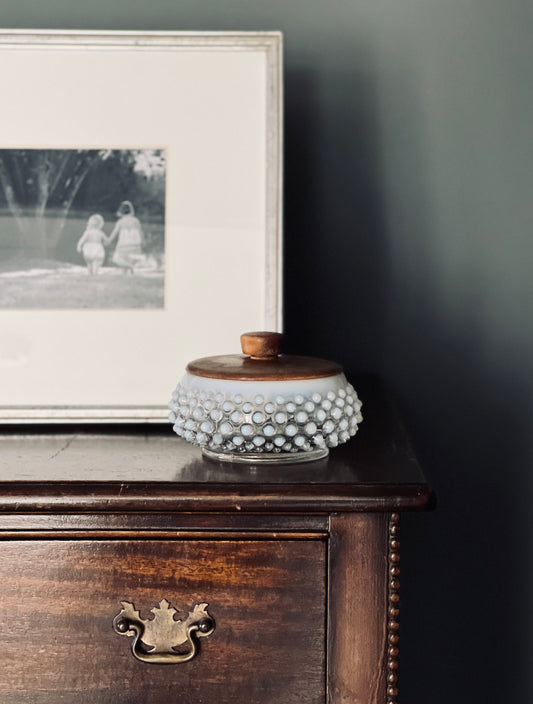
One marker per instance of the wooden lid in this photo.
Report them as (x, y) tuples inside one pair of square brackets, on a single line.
[(262, 361)]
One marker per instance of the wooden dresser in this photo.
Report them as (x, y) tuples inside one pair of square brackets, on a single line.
[(293, 569)]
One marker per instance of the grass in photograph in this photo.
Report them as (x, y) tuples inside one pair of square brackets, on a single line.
[(56, 276), (71, 289)]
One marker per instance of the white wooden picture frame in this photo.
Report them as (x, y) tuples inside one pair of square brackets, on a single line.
[(209, 106)]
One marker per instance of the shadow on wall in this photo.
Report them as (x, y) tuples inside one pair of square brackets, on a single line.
[(358, 289), (465, 568), (334, 264)]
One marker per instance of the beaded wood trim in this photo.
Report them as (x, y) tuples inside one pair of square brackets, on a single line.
[(393, 624)]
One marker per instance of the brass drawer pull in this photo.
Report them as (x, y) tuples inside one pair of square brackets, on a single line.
[(155, 639)]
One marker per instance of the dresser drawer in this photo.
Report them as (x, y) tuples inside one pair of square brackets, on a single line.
[(58, 599)]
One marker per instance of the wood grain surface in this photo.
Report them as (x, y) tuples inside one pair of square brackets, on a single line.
[(358, 601), (105, 523), (58, 600), (281, 368)]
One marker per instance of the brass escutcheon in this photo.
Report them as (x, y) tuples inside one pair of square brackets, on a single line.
[(155, 640)]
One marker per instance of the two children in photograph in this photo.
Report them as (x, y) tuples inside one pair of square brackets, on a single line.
[(127, 231)]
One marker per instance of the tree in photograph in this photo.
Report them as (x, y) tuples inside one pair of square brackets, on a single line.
[(34, 180), (137, 175)]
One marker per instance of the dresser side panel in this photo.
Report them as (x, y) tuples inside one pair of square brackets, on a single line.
[(357, 623)]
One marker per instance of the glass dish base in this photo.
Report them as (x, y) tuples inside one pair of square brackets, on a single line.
[(267, 457)]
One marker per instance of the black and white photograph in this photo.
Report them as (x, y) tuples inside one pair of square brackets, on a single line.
[(82, 228)]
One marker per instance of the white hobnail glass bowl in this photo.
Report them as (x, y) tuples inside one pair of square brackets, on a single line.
[(272, 420)]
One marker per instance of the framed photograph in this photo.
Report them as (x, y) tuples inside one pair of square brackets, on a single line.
[(140, 214)]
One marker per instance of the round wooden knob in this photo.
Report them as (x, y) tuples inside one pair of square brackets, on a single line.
[(261, 345)]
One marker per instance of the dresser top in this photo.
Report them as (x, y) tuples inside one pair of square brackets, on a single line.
[(148, 468)]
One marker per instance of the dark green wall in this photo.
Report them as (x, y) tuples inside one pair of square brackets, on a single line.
[(409, 251)]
